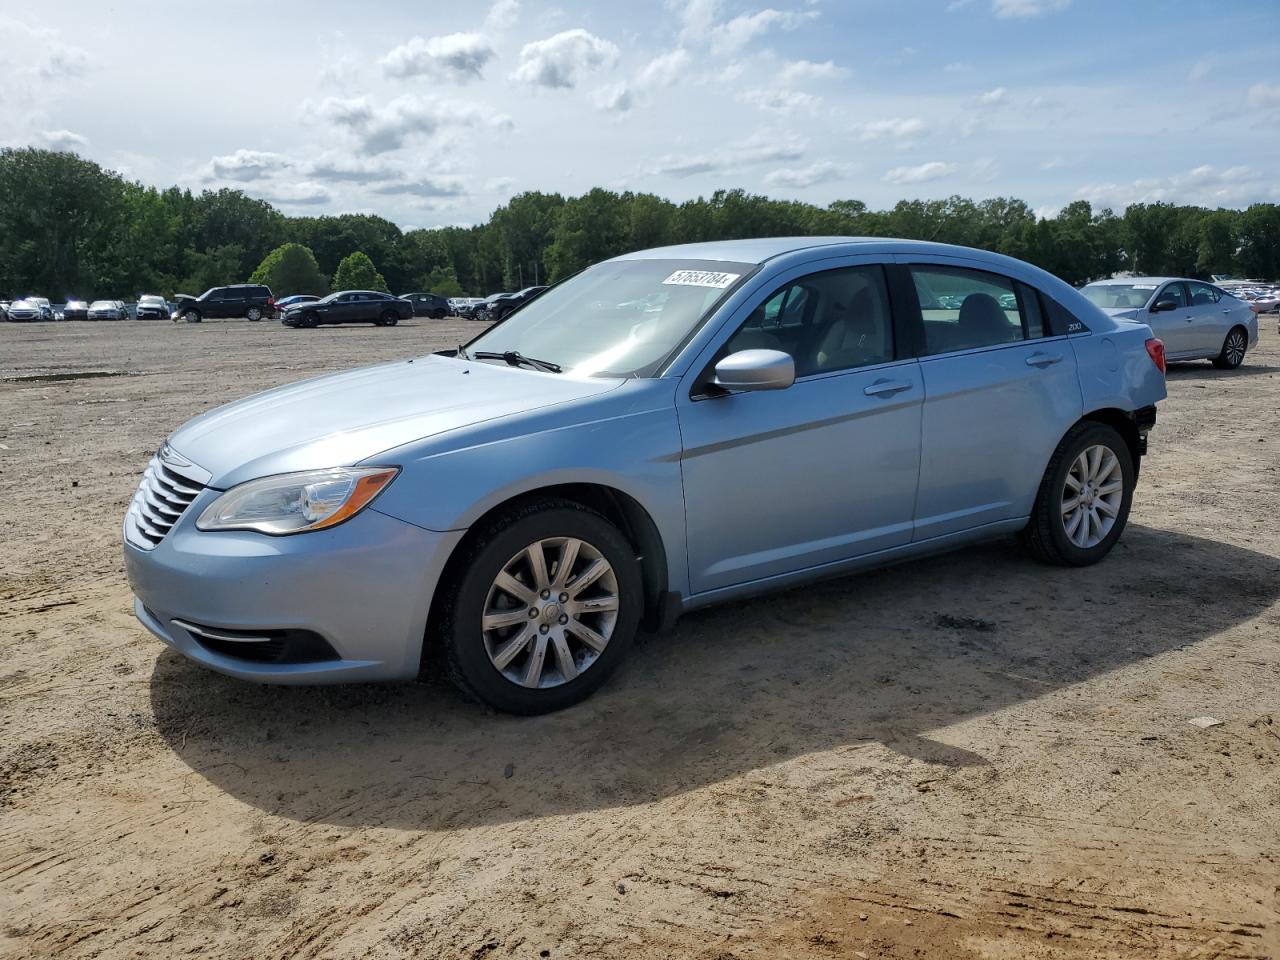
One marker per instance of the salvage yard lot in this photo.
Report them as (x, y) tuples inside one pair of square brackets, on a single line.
[(968, 756)]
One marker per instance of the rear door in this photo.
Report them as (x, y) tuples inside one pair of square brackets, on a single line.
[(1001, 390)]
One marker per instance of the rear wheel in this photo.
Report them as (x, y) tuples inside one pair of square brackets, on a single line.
[(389, 318), (1233, 349), (1084, 498), (253, 314), (544, 607)]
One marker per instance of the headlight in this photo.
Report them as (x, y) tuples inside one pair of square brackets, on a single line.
[(297, 502)]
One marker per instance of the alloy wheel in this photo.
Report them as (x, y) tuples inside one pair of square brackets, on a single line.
[(1235, 348), (1091, 496), (550, 612)]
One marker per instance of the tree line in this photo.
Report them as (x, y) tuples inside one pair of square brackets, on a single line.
[(70, 227)]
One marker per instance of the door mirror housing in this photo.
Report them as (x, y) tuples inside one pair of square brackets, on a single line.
[(756, 370), (1162, 306)]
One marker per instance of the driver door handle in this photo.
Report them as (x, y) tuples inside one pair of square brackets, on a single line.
[(886, 388), (1043, 359)]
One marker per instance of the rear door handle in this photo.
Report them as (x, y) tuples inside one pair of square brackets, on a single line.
[(1043, 359), (886, 388)]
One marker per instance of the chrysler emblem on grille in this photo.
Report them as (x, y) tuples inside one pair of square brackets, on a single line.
[(170, 456)]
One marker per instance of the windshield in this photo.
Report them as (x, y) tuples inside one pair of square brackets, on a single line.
[(1119, 295), (150, 299), (622, 318), (102, 305)]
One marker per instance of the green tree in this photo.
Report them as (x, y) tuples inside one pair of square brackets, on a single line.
[(357, 272), (291, 268), (213, 268)]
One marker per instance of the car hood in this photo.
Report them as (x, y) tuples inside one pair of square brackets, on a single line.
[(344, 418)]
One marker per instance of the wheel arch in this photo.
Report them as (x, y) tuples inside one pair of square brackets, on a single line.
[(620, 508), (1123, 422)]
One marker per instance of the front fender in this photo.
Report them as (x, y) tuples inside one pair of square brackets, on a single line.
[(627, 440)]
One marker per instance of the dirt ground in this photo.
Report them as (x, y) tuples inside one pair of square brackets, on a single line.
[(969, 756)]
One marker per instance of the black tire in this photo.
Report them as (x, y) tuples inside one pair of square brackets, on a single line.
[(389, 318), (253, 315), (1045, 535), (467, 661), (1234, 345), (310, 321), (192, 316)]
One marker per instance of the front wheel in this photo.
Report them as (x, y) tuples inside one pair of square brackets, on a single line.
[(1233, 349), (192, 316), (1084, 498), (544, 607)]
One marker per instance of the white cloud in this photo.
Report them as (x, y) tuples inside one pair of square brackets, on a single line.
[(44, 53), (1021, 9), (820, 172), (895, 128), (1264, 96), (502, 15), (424, 187), (343, 169), (1205, 185), (664, 70), (1200, 69), (734, 156), (247, 165), (459, 57), (559, 61), (697, 18), (780, 101), (294, 194), (733, 35), (613, 98), (986, 169), (63, 141), (802, 70), (994, 97), (380, 129), (920, 174)]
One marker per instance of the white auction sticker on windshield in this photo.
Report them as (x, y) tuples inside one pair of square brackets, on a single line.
[(702, 278)]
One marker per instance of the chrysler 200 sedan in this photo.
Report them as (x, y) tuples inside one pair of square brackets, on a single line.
[(665, 430)]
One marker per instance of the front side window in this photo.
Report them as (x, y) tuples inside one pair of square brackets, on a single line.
[(1173, 293), (621, 318), (966, 309), (829, 321)]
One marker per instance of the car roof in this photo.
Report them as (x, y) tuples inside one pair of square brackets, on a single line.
[(1129, 281)]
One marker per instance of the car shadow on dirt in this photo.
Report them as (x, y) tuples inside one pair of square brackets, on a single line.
[(885, 656)]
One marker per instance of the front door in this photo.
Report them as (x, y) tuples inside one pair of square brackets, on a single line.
[(780, 481), (1174, 327)]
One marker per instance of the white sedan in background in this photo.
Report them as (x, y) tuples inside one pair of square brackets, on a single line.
[(1196, 320)]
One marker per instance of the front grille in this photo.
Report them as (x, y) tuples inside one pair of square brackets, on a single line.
[(162, 497)]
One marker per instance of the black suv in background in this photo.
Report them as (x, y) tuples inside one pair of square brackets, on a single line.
[(253, 301), (428, 305), (499, 305)]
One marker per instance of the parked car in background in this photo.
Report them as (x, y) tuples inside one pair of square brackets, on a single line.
[(428, 305), (799, 408), (107, 310), (350, 306), (75, 310), (483, 309), (152, 307), (1196, 320), (46, 308), (284, 303), (465, 306), (252, 301), (4, 309), (27, 311), (500, 306)]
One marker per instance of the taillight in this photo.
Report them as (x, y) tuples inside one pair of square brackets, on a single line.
[(271, 301), (1155, 350)]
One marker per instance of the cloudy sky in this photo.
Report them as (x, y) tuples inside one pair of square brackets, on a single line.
[(434, 113)]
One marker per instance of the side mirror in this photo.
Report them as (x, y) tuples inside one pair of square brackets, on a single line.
[(1162, 306), (756, 370)]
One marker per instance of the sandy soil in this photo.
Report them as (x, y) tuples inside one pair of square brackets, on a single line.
[(969, 756)]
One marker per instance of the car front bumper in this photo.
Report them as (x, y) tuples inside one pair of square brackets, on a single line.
[(363, 588)]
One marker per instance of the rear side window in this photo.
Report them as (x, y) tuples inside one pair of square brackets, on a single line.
[(966, 309)]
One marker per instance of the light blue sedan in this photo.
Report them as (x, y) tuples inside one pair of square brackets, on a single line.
[(665, 430)]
